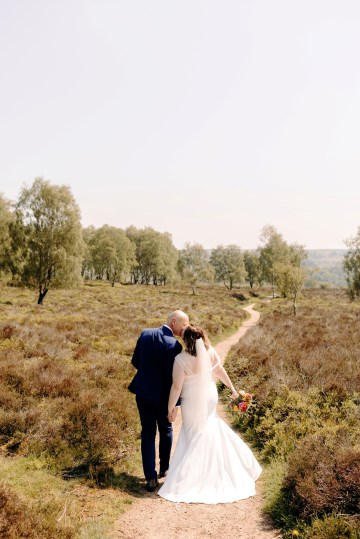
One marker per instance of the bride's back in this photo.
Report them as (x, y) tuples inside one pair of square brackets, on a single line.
[(192, 364)]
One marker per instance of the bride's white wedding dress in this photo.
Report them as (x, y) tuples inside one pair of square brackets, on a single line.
[(211, 464)]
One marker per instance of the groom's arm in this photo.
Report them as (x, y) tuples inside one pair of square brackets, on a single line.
[(135, 360)]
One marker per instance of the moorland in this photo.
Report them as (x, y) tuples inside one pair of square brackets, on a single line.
[(69, 430)]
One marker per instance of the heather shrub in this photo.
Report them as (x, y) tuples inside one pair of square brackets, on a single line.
[(305, 375), (334, 527), (95, 430), (324, 475), (19, 520), (65, 368)]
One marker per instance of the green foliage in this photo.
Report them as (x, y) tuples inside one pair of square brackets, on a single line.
[(48, 225), (194, 265), (156, 256), (305, 375), (275, 251), (334, 527), (5, 220), (228, 263), (252, 268), (289, 280), (109, 254), (352, 266)]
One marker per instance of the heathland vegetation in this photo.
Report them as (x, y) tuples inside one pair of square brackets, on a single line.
[(305, 373), (69, 427), (66, 416)]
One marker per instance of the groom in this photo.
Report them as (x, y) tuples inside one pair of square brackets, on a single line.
[(153, 358)]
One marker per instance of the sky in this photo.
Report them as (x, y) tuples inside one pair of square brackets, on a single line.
[(208, 119)]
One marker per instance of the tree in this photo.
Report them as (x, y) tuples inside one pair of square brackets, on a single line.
[(53, 246), (5, 239), (87, 270), (228, 263), (297, 254), (274, 249), (289, 279), (156, 255), (351, 266), (112, 253), (252, 267), (194, 265)]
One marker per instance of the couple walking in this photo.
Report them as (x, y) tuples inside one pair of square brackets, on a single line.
[(211, 464)]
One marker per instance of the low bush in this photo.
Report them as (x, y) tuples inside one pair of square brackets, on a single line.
[(324, 475), (334, 527), (305, 374), (65, 368), (19, 520)]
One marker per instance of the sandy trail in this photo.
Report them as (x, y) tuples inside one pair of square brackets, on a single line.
[(152, 517)]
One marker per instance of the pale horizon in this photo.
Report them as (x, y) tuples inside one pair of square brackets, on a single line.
[(203, 119)]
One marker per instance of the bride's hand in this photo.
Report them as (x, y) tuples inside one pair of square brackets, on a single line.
[(234, 395), (172, 415)]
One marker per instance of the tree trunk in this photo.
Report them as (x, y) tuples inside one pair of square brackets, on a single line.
[(42, 293), (294, 305)]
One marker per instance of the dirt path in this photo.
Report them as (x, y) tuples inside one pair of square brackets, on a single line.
[(152, 517)]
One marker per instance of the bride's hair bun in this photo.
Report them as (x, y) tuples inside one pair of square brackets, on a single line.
[(191, 334)]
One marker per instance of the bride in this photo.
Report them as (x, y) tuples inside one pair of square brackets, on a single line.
[(211, 464)]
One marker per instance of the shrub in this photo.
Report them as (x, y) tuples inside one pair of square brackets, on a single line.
[(305, 375), (17, 520), (334, 527), (324, 475)]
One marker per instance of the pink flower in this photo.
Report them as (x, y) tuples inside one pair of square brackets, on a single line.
[(243, 406)]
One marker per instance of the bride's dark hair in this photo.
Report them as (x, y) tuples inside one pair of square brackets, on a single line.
[(190, 336)]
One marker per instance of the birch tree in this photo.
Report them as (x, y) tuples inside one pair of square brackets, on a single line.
[(53, 246)]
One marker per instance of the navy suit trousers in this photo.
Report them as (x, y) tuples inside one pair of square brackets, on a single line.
[(153, 416)]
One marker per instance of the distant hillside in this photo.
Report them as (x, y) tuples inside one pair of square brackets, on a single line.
[(327, 267)]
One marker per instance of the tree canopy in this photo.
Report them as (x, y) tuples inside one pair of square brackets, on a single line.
[(48, 222), (156, 255), (109, 253), (5, 240), (228, 263), (275, 250), (352, 265), (194, 265)]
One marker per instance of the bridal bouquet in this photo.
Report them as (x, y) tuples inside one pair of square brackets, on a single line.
[(242, 403)]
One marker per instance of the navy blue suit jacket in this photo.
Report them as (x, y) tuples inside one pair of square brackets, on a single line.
[(153, 358)]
